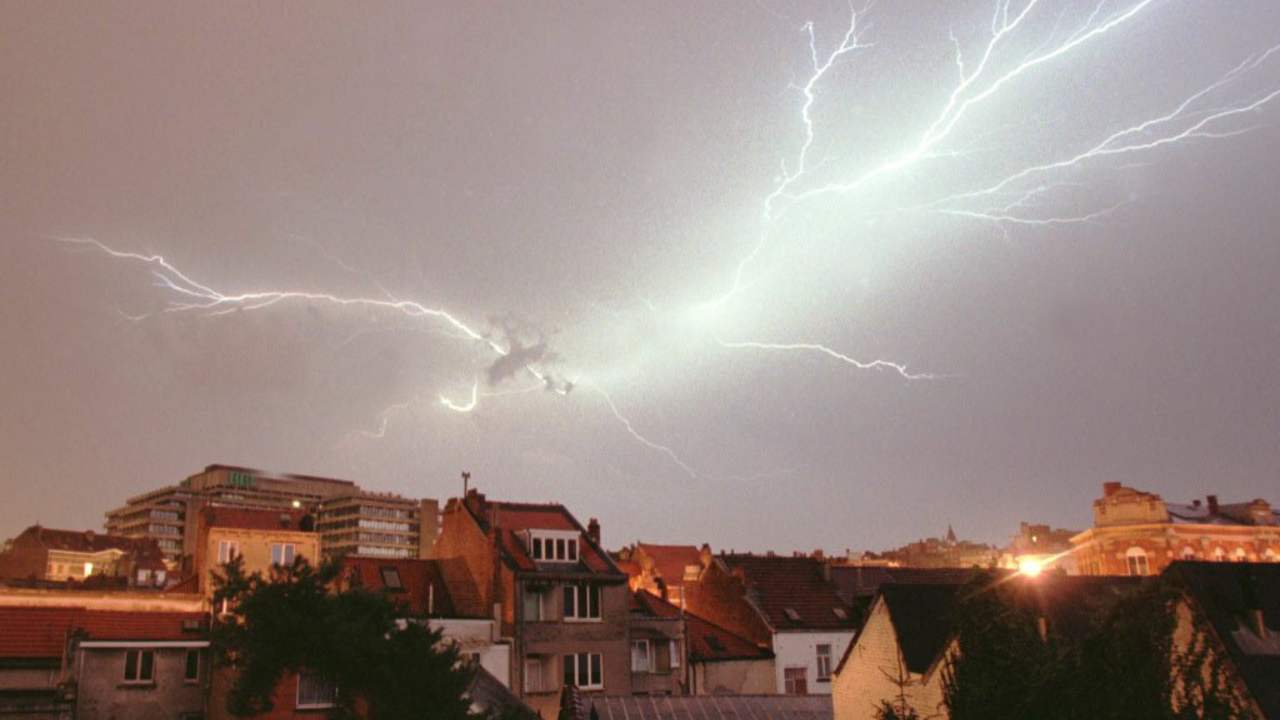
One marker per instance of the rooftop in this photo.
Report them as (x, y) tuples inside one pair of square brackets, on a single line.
[(792, 592)]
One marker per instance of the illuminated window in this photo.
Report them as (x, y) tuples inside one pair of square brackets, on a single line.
[(139, 666), (1188, 553), (1219, 555), (1136, 559), (1241, 555), (88, 569)]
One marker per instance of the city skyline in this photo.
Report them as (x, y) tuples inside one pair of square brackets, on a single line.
[(747, 275)]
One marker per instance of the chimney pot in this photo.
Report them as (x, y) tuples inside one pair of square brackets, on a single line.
[(593, 530), (1213, 504)]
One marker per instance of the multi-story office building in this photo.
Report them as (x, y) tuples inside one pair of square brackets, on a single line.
[(385, 525)]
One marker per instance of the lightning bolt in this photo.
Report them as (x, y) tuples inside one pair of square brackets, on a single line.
[(976, 85), (665, 450), (898, 368), (467, 406)]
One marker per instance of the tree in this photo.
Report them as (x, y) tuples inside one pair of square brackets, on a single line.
[(358, 641), (1119, 664)]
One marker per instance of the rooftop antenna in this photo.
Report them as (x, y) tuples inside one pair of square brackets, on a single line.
[(466, 482)]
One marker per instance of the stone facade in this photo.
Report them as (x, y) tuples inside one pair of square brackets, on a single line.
[(1138, 533), (103, 691)]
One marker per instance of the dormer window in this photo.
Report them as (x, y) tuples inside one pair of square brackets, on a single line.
[(552, 546)]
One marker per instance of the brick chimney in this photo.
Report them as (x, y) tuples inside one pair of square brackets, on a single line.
[(1213, 504), (593, 530)]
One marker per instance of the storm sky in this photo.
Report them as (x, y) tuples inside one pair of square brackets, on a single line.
[(578, 184)]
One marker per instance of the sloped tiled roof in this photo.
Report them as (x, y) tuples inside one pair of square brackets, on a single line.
[(505, 519), (1226, 594), (670, 561), (708, 707), (422, 588), (709, 642), (252, 518), (792, 592), (924, 615), (41, 632), (856, 581)]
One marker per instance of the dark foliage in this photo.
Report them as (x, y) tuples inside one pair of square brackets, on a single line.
[(1122, 664), (298, 620)]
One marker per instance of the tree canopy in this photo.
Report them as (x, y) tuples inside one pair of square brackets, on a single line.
[(299, 620)]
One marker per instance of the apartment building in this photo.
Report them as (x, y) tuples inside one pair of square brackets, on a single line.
[(382, 525), (559, 597), (351, 520)]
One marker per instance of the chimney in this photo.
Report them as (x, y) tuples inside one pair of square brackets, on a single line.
[(1195, 503), (428, 526), (1110, 488), (1213, 504), (593, 530)]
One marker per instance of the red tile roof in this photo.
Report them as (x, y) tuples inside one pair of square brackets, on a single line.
[(505, 519), (41, 632), (709, 642), (670, 561), (252, 519), (792, 592), (441, 588)]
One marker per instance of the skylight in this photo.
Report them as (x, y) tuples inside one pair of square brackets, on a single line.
[(792, 615), (391, 578)]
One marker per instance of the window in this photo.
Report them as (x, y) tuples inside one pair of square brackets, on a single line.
[(640, 656), (533, 680), (534, 602), (227, 549), (391, 578), (314, 691), (139, 666), (840, 613), (1240, 555), (1136, 559), (1188, 553), (282, 553), (88, 569), (584, 670), (1219, 554), (144, 577), (553, 549), (795, 681), (581, 601), (824, 662), (192, 672), (791, 614), (675, 653)]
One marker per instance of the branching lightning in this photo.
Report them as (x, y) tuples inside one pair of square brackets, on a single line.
[(1018, 196), (898, 368), (977, 84)]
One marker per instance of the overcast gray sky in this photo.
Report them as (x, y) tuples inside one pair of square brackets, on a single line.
[(579, 184)]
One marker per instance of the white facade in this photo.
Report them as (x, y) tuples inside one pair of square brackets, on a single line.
[(478, 638), (798, 649)]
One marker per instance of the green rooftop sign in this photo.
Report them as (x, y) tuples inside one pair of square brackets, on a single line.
[(241, 479)]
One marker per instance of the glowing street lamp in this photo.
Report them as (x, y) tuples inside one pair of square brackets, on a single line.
[(1030, 567)]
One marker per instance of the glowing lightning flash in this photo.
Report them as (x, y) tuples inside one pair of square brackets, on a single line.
[(977, 84), (463, 407)]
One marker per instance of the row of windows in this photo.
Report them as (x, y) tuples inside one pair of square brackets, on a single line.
[(580, 601), (140, 667), (1137, 563), (164, 530), (585, 670), (281, 553), (556, 549)]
